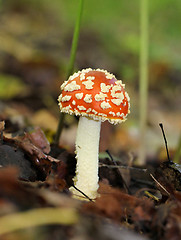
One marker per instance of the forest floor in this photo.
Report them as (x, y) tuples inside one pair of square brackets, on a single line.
[(134, 202)]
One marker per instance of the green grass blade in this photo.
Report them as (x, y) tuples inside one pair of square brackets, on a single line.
[(178, 152), (144, 41), (71, 63)]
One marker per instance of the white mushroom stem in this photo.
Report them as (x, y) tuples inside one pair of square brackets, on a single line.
[(87, 154)]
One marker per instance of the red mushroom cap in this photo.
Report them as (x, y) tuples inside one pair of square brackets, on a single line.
[(96, 94)]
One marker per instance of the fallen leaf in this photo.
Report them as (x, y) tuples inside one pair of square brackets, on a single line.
[(20, 151), (119, 206), (45, 120), (2, 124), (37, 217), (10, 156), (11, 86), (37, 137), (13, 191)]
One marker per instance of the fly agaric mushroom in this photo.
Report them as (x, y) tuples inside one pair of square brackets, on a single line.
[(95, 96)]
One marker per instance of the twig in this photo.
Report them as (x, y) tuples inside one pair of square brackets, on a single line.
[(168, 156), (151, 196), (112, 159), (123, 167), (159, 184), (82, 193), (115, 163)]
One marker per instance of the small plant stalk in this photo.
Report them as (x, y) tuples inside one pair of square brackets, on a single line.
[(71, 63), (178, 151), (143, 91)]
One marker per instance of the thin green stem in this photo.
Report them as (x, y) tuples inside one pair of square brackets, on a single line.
[(71, 63), (178, 151), (144, 32), (75, 39)]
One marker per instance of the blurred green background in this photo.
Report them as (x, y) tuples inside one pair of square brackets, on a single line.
[(109, 34), (35, 42)]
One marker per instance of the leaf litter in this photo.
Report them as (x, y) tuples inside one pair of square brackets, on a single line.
[(35, 177)]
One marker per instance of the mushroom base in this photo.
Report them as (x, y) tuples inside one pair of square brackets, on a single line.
[(87, 154)]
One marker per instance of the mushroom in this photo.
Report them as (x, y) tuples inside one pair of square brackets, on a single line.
[(95, 96)]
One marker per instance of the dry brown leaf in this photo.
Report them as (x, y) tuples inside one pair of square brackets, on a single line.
[(37, 137), (45, 120), (2, 125), (119, 206), (38, 163), (13, 191)]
